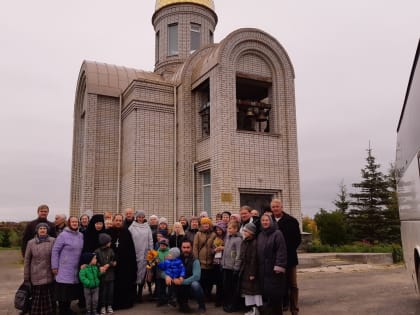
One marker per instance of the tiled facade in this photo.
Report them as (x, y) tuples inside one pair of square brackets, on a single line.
[(138, 136)]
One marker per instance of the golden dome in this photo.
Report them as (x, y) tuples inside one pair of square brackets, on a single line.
[(163, 3)]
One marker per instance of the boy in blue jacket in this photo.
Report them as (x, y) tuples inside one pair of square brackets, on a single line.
[(172, 268)]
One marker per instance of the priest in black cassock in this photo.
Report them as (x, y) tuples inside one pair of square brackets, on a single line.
[(126, 269)]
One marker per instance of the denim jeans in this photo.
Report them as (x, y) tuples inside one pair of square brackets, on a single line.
[(91, 297), (194, 290)]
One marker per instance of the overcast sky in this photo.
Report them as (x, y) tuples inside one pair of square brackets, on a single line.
[(352, 61)]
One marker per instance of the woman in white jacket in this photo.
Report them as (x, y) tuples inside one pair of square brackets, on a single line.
[(143, 241)]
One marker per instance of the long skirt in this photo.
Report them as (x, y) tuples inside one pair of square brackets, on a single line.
[(42, 299)]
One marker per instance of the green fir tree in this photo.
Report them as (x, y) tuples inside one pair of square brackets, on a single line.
[(367, 216), (342, 202)]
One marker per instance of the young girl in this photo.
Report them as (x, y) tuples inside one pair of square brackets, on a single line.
[(249, 283), (177, 235), (106, 261), (230, 264), (218, 246)]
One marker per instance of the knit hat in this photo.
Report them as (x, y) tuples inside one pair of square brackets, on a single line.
[(140, 213), (204, 214), (153, 216), (164, 241), (205, 220), (42, 224), (86, 258), (174, 252), (163, 220), (221, 225), (104, 239), (250, 227)]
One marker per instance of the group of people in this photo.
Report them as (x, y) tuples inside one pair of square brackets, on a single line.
[(249, 257)]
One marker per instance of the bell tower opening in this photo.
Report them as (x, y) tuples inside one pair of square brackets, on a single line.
[(253, 105)]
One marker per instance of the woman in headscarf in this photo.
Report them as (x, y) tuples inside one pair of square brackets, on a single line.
[(37, 271), (143, 241), (65, 258), (202, 250), (95, 227), (272, 260)]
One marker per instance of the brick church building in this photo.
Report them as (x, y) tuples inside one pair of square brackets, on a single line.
[(213, 126)]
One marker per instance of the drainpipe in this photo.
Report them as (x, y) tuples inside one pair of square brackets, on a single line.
[(175, 151), (193, 188), (119, 157)]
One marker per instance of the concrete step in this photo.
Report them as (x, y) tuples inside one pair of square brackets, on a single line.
[(310, 260)]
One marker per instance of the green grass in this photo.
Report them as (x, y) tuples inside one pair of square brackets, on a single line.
[(10, 248)]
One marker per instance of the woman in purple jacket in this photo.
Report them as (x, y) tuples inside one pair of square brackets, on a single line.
[(65, 264)]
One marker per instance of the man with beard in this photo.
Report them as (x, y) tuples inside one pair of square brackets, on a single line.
[(190, 285), (193, 229), (126, 268)]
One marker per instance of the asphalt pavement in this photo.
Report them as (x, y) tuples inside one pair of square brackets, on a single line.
[(362, 289)]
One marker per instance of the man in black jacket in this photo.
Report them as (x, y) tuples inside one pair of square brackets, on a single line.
[(29, 232), (289, 226)]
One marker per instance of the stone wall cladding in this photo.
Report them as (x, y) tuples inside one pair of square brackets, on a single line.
[(239, 161), (249, 160), (187, 137), (77, 154), (106, 157), (148, 148)]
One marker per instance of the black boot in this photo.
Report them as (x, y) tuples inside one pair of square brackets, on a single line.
[(140, 293)]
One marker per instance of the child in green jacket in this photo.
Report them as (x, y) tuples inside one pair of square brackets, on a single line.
[(89, 276)]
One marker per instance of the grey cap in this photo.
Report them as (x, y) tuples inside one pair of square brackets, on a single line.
[(104, 239), (250, 227), (174, 252), (42, 224)]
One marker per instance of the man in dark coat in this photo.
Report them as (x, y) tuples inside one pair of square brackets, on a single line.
[(246, 217), (292, 236), (129, 217), (126, 268), (29, 232)]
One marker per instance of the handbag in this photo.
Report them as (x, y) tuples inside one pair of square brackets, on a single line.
[(150, 275), (23, 297)]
